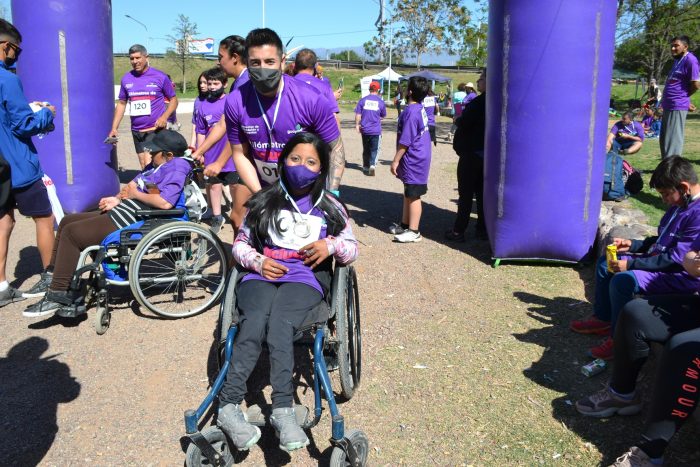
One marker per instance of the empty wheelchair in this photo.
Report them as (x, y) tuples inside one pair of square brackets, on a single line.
[(333, 330), (174, 266)]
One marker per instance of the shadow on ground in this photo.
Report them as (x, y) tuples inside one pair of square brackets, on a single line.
[(32, 386)]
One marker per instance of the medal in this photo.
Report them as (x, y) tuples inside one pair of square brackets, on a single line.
[(302, 229)]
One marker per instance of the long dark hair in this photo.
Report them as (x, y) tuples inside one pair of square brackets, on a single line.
[(265, 205)]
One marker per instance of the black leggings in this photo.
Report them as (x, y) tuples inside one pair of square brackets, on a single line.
[(272, 313), (470, 184), (674, 321)]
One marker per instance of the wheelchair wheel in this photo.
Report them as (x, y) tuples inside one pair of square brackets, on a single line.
[(226, 313), (347, 327), (359, 441), (218, 441), (102, 319), (178, 270)]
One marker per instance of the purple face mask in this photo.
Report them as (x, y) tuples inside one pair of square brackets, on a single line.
[(299, 177)]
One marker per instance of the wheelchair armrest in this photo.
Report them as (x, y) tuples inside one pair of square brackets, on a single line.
[(161, 212)]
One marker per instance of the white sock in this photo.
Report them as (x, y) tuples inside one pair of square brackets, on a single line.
[(4, 286)]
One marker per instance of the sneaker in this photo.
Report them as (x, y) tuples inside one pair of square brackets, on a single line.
[(453, 236), (289, 432), (604, 403), (396, 229), (365, 170), (408, 236), (604, 350), (371, 171), (635, 457), (10, 295), (234, 423), (217, 222), (39, 289), (590, 325), (42, 308)]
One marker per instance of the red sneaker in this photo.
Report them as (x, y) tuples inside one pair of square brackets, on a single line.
[(591, 325), (604, 350)]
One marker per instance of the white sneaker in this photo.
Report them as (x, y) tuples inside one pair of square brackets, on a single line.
[(408, 236)]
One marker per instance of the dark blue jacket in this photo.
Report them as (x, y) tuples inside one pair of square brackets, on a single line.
[(17, 126)]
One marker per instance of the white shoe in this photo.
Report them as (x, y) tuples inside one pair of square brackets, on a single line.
[(408, 236)]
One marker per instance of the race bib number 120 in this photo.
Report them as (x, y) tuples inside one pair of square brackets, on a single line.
[(140, 107)]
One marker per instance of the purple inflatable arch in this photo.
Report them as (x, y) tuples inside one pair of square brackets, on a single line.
[(548, 90), (67, 61)]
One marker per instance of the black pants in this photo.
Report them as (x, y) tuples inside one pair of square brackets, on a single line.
[(270, 313), (674, 321), (470, 184)]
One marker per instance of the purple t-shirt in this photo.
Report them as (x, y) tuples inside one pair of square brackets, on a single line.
[(684, 71), (321, 87), (145, 94), (412, 132), (429, 104), (634, 129), (468, 98), (169, 178), (209, 115), (301, 108), (241, 80), (372, 109), (195, 110), (173, 116), (647, 121), (298, 271)]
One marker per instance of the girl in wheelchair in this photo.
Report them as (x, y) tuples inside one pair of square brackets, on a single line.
[(287, 237), (158, 186)]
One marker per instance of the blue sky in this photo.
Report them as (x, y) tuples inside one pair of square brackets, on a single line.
[(313, 23)]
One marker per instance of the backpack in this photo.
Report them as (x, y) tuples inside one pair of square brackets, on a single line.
[(632, 177), (621, 179)]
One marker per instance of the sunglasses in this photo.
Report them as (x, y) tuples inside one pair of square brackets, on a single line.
[(15, 47)]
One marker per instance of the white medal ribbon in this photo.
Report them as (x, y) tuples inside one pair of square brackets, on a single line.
[(274, 115), (305, 227)]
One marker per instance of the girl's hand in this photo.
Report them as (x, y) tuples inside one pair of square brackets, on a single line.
[(394, 168), (108, 203), (315, 253), (618, 266), (622, 244), (272, 270)]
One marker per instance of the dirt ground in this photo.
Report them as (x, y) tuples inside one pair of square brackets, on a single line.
[(463, 364)]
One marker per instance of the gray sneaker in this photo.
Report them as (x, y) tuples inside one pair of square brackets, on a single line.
[(10, 295), (234, 423), (635, 457), (216, 224), (289, 432), (42, 308), (396, 229), (604, 404), (39, 289)]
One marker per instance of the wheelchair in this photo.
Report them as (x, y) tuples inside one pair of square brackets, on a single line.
[(334, 333), (175, 267)]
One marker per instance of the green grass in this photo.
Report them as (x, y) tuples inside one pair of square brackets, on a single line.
[(622, 93)]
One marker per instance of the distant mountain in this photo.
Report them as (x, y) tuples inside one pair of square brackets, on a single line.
[(426, 59)]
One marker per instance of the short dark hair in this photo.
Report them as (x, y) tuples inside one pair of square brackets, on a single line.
[(233, 45), (7, 29), (671, 172), (216, 74), (263, 36), (683, 39), (138, 49), (305, 60), (418, 87), (629, 115)]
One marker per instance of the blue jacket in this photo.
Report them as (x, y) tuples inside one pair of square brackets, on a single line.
[(17, 126)]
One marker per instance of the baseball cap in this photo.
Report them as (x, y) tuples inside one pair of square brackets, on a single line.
[(470, 84), (374, 86), (168, 141)]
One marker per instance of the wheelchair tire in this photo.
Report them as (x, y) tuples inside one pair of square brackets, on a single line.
[(218, 441), (226, 313), (347, 333), (359, 441), (103, 316), (178, 270)]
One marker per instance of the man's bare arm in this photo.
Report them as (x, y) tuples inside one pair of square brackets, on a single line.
[(337, 164)]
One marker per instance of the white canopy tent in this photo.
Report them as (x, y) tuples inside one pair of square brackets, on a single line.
[(387, 75)]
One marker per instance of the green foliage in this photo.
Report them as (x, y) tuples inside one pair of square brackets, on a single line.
[(183, 33), (348, 55), (473, 47)]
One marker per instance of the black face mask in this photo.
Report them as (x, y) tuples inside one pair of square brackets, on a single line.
[(265, 80), (215, 95)]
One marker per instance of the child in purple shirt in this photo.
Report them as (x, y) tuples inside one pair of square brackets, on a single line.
[(291, 230), (411, 163), (203, 91), (369, 112)]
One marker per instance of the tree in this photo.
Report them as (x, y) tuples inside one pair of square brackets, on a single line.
[(183, 32), (348, 55), (473, 46)]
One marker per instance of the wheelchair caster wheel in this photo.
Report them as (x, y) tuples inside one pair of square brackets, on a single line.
[(102, 319), (358, 440), (218, 441)]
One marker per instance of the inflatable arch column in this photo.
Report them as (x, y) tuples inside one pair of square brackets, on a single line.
[(67, 61), (548, 91)]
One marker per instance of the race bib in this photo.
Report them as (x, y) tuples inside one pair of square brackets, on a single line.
[(140, 107), (429, 101), (267, 171), (296, 230), (371, 105)]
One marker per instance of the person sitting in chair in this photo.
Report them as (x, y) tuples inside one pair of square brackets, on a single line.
[(291, 229), (158, 186), (626, 136)]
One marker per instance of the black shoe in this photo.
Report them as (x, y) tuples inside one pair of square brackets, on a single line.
[(453, 236)]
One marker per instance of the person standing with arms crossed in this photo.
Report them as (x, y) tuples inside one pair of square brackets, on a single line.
[(144, 90)]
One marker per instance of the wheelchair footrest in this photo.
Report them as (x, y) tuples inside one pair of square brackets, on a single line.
[(257, 417)]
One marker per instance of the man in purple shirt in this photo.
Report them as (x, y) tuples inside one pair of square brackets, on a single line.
[(265, 113), (304, 67), (626, 136), (682, 82), (145, 90), (411, 163), (369, 112)]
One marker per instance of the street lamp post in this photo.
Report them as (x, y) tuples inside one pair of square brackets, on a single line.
[(144, 26)]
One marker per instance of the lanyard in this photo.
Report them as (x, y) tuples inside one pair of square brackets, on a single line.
[(274, 116), (661, 234), (633, 130), (676, 66), (295, 204)]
